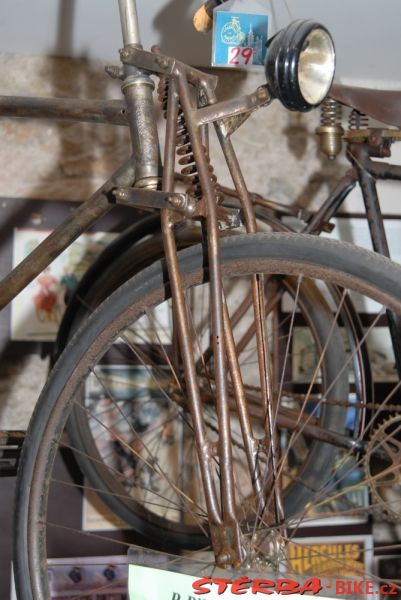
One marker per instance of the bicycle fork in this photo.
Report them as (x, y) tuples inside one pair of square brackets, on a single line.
[(224, 526), (227, 539), (229, 544)]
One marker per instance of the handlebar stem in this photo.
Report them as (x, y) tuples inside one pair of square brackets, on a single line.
[(129, 22)]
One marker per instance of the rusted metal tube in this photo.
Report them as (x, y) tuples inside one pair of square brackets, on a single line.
[(231, 108), (216, 302), (80, 220), (332, 203), (250, 444), (181, 321), (155, 62), (64, 109), (138, 92), (384, 170), (259, 311), (377, 234)]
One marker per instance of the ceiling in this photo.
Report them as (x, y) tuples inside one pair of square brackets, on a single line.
[(366, 32)]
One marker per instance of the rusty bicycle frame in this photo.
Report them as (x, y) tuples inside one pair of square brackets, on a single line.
[(191, 107), (190, 101)]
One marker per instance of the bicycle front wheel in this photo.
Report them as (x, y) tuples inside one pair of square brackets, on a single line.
[(124, 364)]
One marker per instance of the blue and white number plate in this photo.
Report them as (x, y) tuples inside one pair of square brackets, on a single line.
[(239, 39)]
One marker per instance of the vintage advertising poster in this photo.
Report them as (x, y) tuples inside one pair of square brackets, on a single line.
[(37, 311), (332, 558)]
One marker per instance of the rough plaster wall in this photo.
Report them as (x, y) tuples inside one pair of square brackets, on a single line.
[(46, 159), (67, 161)]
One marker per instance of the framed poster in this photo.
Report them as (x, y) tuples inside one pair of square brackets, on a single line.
[(24, 223), (37, 311), (333, 559)]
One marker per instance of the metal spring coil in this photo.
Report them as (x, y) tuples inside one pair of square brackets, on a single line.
[(358, 120), (184, 147), (330, 113)]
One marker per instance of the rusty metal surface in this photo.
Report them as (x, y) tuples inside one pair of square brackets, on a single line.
[(158, 63), (138, 92), (184, 330), (233, 107), (64, 109), (155, 199), (230, 546), (360, 153), (331, 205), (267, 397), (187, 121), (251, 445)]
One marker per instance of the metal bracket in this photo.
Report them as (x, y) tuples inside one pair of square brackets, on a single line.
[(178, 202), (115, 71), (153, 199), (374, 135), (155, 62), (229, 218)]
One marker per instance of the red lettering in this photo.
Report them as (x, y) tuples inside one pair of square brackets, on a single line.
[(313, 586), (221, 584), (390, 589), (286, 586), (369, 588), (240, 586), (261, 586), (198, 585), (340, 587), (247, 54), (235, 52)]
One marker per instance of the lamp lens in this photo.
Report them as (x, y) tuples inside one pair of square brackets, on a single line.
[(316, 66)]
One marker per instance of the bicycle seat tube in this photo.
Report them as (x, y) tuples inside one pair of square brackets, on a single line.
[(138, 91)]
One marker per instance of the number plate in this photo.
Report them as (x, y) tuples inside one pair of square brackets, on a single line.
[(239, 39)]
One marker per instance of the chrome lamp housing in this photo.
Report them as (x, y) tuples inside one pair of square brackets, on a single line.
[(300, 65)]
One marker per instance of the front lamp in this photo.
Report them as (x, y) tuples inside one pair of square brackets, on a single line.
[(300, 65)]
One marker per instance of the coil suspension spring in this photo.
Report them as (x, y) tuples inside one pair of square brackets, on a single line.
[(330, 113), (330, 130), (358, 120), (184, 150)]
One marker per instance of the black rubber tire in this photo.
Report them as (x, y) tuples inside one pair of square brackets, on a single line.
[(335, 262)]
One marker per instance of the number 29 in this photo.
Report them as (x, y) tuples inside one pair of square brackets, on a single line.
[(239, 56)]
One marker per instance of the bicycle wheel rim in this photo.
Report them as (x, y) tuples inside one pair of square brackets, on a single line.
[(285, 253)]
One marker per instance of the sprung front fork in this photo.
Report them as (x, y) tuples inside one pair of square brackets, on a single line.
[(181, 109), (224, 526)]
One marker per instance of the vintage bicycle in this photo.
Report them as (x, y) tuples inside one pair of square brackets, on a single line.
[(186, 371)]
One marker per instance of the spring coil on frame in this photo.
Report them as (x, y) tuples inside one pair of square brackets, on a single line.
[(358, 120), (330, 113), (330, 130), (184, 148)]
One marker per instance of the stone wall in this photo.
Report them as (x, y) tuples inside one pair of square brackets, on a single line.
[(67, 161)]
